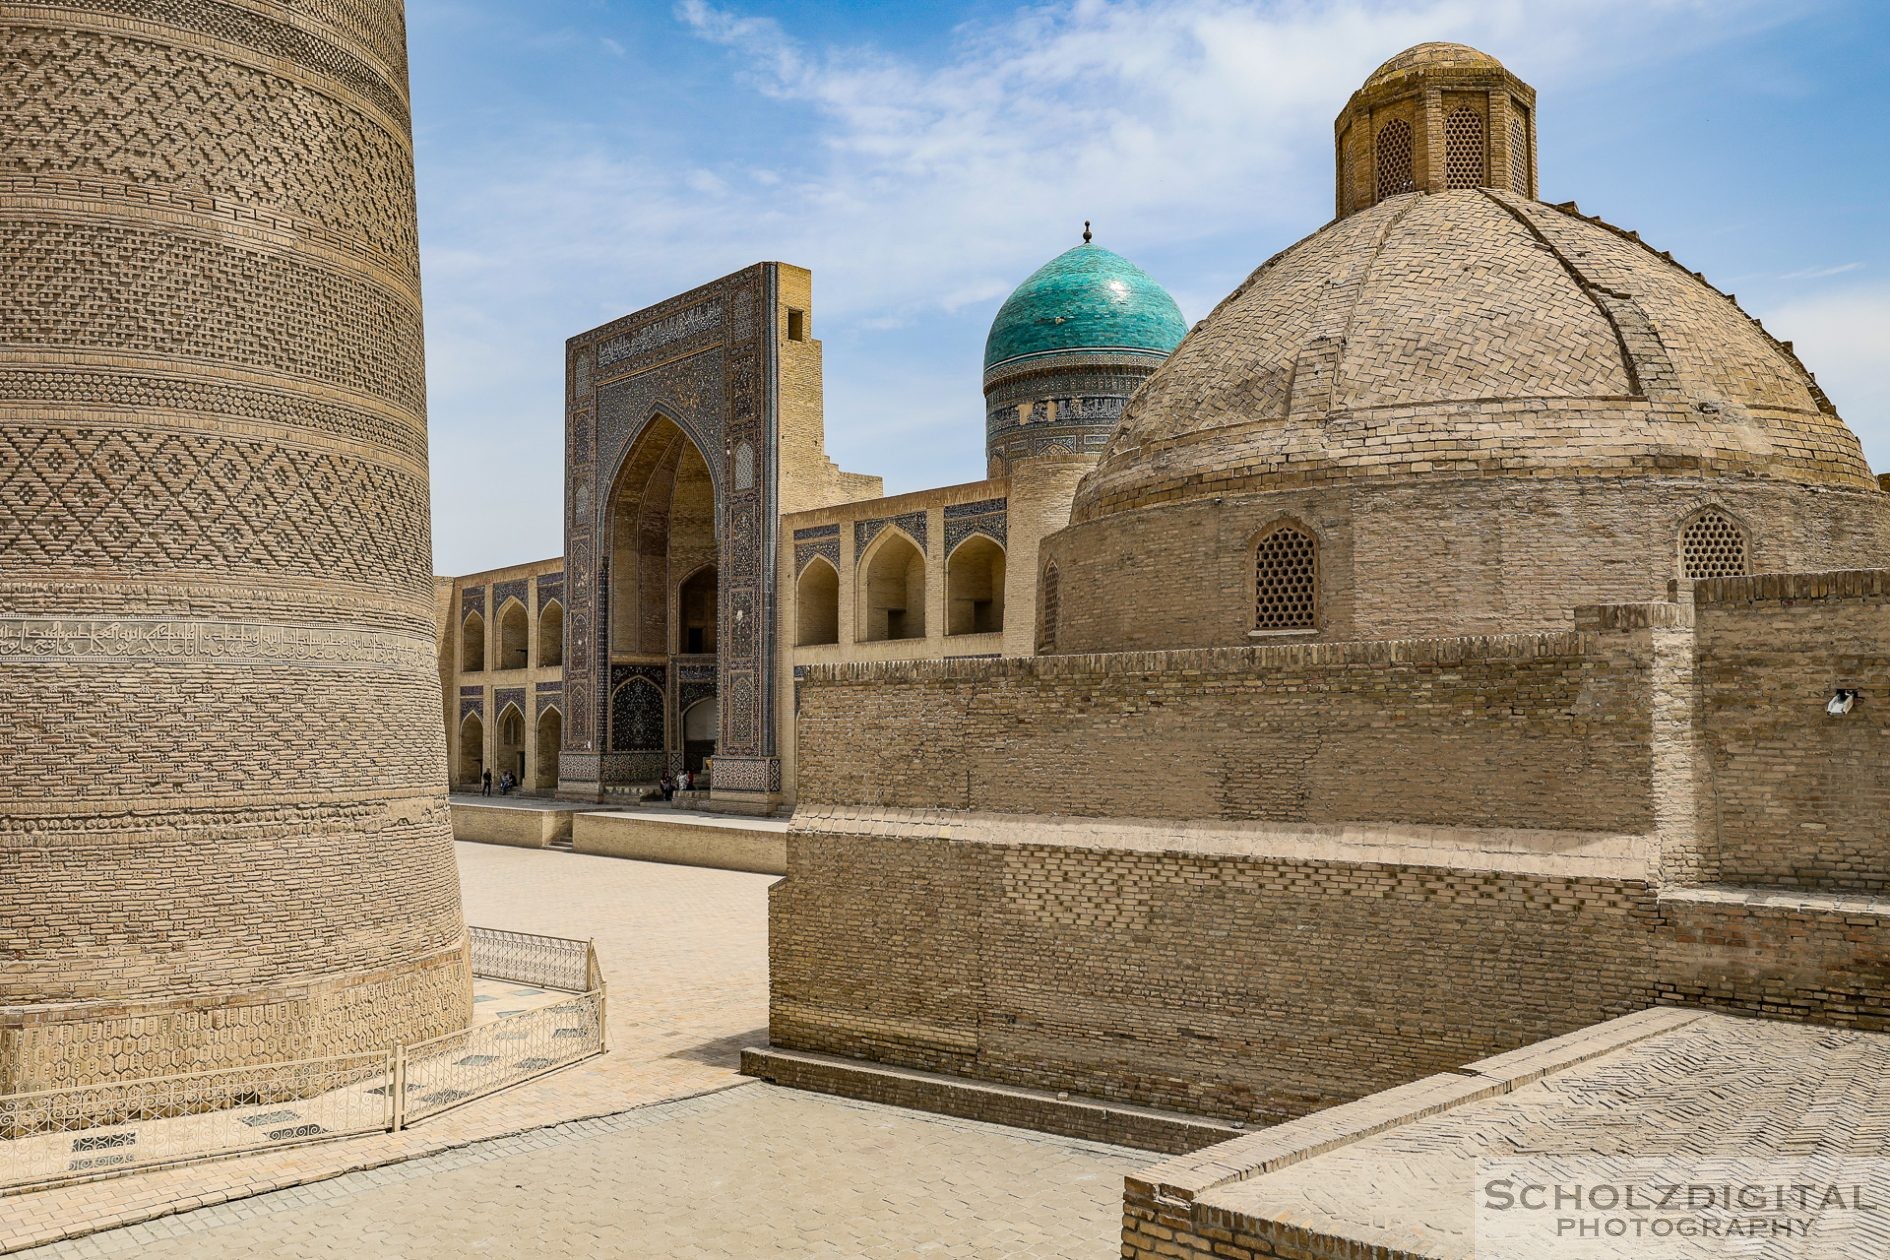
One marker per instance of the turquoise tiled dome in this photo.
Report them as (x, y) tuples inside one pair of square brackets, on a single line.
[(1088, 298)]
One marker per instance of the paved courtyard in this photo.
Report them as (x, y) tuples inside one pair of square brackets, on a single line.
[(688, 1158), (748, 1172)]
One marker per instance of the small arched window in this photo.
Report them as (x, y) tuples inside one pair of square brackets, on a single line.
[(1463, 149), (1052, 609), (1286, 580), (1394, 159), (1712, 545)]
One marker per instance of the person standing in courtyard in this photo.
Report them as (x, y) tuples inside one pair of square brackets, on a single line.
[(485, 783)]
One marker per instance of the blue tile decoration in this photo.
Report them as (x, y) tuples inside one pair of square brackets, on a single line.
[(636, 708), (864, 532), (518, 588), (987, 517), (820, 540), (1085, 298)]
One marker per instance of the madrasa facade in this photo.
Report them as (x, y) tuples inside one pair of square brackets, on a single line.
[(713, 552)]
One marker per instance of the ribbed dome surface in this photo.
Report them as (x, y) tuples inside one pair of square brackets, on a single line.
[(1437, 55), (1469, 332), (1087, 298)]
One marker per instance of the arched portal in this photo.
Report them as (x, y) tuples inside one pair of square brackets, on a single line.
[(892, 604), (550, 740), (664, 592), (472, 751), (699, 724), (511, 755), (817, 604), (513, 635), (551, 634), (472, 644), (974, 587)]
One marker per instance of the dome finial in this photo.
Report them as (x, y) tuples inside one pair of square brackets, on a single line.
[(1085, 231)]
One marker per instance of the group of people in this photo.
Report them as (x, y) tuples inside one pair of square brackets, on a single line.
[(506, 783), (670, 784)]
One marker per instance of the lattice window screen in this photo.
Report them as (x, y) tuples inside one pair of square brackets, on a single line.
[(1463, 149), (1518, 155), (1052, 607), (1712, 546), (1394, 159), (1286, 581)]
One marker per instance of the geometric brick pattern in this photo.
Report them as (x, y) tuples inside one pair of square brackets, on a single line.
[(1711, 546), (1463, 148), (1286, 581), (207, 500), (101, 104), (1518, 155), (1395, 174)]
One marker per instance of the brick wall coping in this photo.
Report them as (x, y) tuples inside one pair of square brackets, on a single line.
[(1187, 1178), (1525, 851), (1867, 907), (1223, 660), (1761, 587), (1618, 618)]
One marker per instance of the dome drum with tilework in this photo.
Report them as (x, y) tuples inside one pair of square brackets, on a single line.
[(1067, 349), (1486, 409)]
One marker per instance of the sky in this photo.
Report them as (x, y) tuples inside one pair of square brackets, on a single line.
[(580, 159)]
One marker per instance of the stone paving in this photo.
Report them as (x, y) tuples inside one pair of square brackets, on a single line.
[(684, 952), (747, 1172), (709, 1163), (1721, 1099)]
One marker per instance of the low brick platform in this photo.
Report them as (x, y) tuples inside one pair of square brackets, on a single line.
[(663, 835), (1118, 1124), (520, 824)]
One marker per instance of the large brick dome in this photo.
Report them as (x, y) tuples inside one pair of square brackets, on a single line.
[(1469, 333), (1454, 410)]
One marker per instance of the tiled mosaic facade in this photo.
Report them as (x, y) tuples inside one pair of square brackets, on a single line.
[(704, 362), (223, 816)]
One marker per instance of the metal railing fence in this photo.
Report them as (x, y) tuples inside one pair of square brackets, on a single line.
[(83, 1132), (554, 962)]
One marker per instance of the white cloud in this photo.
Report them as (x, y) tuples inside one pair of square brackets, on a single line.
[(1822, 273), (1843, 336)]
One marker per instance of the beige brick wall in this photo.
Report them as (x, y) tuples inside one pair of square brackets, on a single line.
[(1511, 731), (1159, 971), (1800, 796), (1431, 557)]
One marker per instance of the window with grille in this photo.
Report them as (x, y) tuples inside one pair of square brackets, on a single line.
[(1052, 606), (1463, 149), (1286, 580), (1712, 546), (1518, 155), (1394, 159)]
